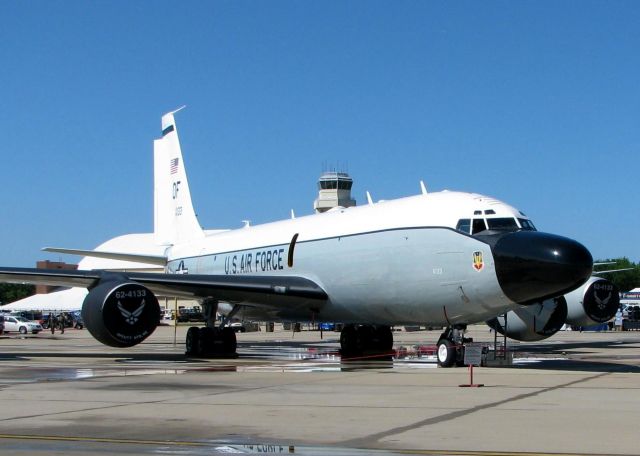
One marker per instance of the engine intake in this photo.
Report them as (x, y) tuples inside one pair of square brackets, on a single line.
[(533, 322), (120, 314), (597, 301)]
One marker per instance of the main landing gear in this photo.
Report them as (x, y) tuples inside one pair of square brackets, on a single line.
[(451, 346), (365, 340), (212, 340)]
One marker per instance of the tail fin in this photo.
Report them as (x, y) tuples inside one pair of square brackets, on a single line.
[(174, 218)]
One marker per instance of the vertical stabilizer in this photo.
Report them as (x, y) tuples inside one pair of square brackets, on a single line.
[(174, 218)]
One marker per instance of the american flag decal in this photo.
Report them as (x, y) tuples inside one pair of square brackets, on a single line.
[(174, 165)]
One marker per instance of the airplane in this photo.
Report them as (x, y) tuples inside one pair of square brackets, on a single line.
[(443, 258)]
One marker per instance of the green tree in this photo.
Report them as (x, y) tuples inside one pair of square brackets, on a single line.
[(624, 280), (10, 292)]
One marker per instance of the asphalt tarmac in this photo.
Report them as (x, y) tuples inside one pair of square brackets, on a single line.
[(290, 393)]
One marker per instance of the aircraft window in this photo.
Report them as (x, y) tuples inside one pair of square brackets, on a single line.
[(490, 212), (502, 224), (464, 225), (478, 225), (527, 225)]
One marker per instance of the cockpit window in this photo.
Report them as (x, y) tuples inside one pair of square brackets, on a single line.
[(506, 223), (464, 225), (478, 226), (527, 225)]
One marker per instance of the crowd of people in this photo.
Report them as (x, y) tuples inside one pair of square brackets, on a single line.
[(61, 321)]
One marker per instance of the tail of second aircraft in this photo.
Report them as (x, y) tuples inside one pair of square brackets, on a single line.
[(174, 218)]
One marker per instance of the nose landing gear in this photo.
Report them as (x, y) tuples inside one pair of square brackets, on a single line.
[(451, 346)]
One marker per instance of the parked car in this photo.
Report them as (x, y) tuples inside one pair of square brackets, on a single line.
[(237, 326), (244, 326), (21, 325), (192, 314)]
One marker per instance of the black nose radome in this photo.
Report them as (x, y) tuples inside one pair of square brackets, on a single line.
[(533, 266)]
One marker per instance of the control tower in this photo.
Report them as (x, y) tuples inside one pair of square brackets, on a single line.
[(334, 190)]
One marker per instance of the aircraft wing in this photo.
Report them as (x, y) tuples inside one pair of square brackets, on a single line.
[(608, 271), (265, 290)]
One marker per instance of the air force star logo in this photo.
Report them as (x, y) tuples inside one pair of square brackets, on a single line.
[(602, 303), (131, 317)]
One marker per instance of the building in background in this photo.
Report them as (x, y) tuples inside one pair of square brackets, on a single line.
[(334, 190)]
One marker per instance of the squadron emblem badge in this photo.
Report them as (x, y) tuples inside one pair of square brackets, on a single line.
[(478, 262)]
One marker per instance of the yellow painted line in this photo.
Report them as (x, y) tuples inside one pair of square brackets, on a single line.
[(210, 444), (102, 440)]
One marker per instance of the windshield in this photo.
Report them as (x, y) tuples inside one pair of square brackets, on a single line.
[(527, 225), (502, 224)]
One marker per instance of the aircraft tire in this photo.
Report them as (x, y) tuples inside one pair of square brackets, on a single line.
[(207, 341), (229, 341), (349, 340), (192, 341), (366, 339), (384, 338), (460, 357), (446, 353)]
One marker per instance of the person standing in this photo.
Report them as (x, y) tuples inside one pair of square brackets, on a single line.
[(61, 321), (52, 323)]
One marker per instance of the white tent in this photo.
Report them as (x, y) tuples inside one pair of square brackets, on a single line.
[(63, 300)]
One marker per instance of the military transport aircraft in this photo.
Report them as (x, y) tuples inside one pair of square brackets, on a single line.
[(442, 258)]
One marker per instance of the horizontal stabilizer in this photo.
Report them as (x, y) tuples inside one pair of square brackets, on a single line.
[(136, 258)]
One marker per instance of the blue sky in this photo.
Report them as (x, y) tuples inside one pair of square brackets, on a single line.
[(535, 103)]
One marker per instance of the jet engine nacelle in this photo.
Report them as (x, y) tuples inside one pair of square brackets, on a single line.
[(120, 314), (533, 322), (597, 301)]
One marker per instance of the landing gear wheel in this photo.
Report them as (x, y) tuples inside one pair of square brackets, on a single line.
[(207, 341), (192, 341), (446, 353), (384, 339), (229, 341), (348, 340), (460, 357), (371, 341)]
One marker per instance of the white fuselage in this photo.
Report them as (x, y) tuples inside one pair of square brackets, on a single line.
[(394, 262)]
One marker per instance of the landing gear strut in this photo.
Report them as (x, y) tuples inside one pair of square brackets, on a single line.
[(212, 340), (365, 340), (451, 346)]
